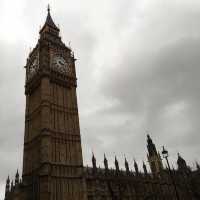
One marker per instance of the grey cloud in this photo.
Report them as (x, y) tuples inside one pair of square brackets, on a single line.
[(140, 62), (170, 73), (11, 112), (171, 77)]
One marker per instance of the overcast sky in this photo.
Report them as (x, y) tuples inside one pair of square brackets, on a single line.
[(139, 60)]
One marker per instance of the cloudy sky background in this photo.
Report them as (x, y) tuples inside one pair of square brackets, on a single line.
[(138, 71)]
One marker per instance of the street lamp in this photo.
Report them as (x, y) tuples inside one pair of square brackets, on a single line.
[(166, 155)]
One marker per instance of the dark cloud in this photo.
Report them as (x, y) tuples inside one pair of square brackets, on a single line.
[(164, 92)]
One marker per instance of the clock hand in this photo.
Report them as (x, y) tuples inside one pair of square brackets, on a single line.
[(60, 62)]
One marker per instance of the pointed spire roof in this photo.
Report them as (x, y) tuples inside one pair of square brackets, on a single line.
[(17, 174), (145, 168), (116, 161), (17, 178), (197, 166), (8, 180), (93, 161), (180, 159), (116, 164), (136, 167), (105, 162), (149, 138), (93, 156), (12, 186), (125, 161), (49, 21), (151, 146), (7, 187), (105, 159), (126, 165)]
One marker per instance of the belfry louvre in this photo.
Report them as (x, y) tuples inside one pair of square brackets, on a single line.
[(52, 160)]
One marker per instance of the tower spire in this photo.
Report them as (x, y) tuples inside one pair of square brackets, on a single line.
[(48, 9), (49, 25)]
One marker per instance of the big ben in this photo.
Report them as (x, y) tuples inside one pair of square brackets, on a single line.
[(52, 161)]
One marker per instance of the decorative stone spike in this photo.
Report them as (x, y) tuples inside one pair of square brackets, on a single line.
[(136, 168), (197, 166), (145, 168), (127, 166), (12, 186), (7, 186), (8, 181), (94, 163), (116, 165), (105, 163), (17, 178)]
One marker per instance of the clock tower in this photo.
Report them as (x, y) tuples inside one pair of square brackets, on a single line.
[(52, 162)]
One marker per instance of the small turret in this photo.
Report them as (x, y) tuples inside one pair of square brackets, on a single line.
[(94, 163), (11, 186), (105, 163), (127, 166), (7, 190), (17, 178), (8, 182), (145, 168), (182, 165), (197, 166), (136, 168), (173, 170), (116, 165)]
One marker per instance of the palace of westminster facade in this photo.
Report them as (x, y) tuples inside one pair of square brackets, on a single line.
[(52, 161)]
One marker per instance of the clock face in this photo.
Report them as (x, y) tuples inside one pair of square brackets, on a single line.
[(33, 67), (59, 64)]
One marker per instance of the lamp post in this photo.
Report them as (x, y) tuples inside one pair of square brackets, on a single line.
[(166, 155)]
